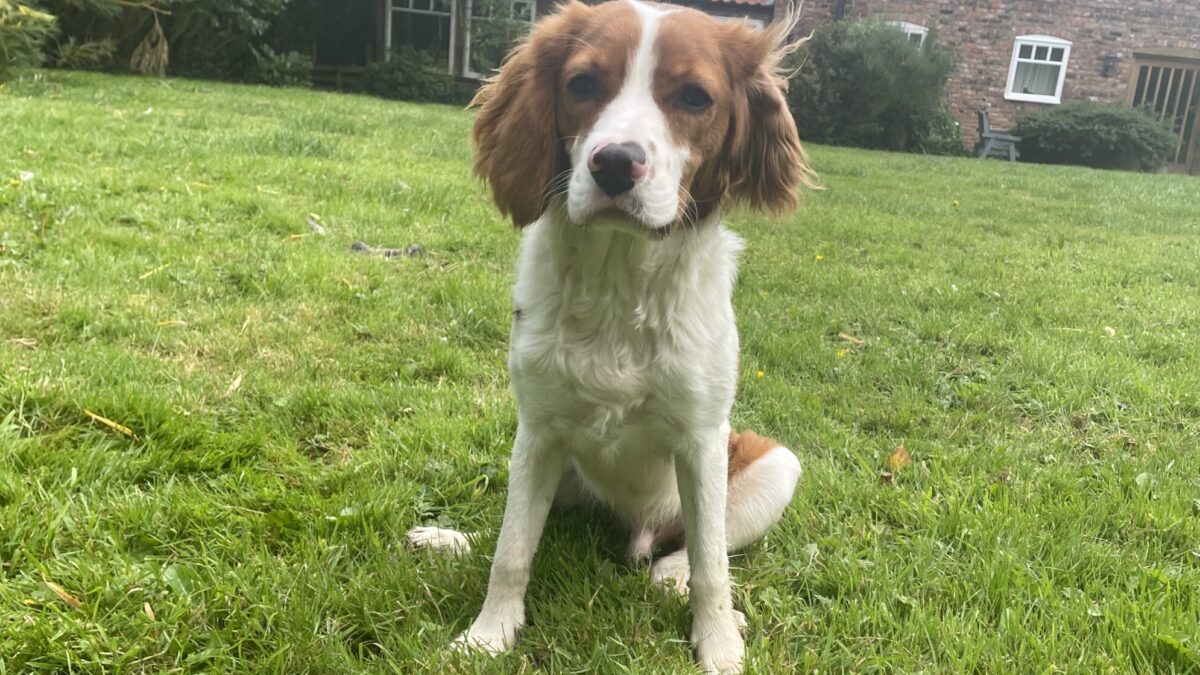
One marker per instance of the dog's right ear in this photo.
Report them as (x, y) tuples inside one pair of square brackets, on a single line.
[(518, 149)]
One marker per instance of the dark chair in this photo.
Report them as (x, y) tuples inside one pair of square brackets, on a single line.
[(995, 142)]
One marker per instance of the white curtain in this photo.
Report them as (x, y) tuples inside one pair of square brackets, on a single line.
[(1036, 78)]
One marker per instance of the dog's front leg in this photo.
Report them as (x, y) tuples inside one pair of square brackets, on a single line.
[(533, 476), (701, 471)]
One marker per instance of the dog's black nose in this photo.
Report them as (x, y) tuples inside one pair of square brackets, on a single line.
[(615, 167)]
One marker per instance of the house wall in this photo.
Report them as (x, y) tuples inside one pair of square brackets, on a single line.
[(982, 33)]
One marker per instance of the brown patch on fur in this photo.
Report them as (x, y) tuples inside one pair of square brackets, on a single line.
[(744, 147), (745, 448), (528, 119)]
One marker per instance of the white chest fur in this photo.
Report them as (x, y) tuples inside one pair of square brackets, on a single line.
[(618, 342)]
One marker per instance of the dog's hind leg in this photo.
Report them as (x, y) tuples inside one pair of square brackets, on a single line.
[(762, 477)]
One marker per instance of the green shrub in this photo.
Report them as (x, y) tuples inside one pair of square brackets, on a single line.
[(204, 38), (23, 32), (79, 55), (1101, 135), (863, 83), (410, 75), (290, 69)]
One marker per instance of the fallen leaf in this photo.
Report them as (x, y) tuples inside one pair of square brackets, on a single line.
[(885, 477), (1110, 331), (314, 223), (899, 459), (148, 610), (170, 323), (294, 237), (851, 339), (63, 594), (235, 385), (109, 423), (154, 271), (24, 342)]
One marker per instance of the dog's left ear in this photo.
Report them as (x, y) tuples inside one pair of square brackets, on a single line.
[(766, 162)]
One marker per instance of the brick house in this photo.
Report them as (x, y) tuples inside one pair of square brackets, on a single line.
[(1013, 55), (1016, 55)]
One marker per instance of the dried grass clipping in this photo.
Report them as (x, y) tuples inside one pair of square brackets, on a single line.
[(152, 54)]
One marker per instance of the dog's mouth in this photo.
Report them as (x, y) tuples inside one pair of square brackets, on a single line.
[(616, 218)]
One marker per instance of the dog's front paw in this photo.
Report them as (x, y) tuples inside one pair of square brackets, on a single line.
[(489, 636), (719, 646)]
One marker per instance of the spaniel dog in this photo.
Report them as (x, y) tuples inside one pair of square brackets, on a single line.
[(616, 135)]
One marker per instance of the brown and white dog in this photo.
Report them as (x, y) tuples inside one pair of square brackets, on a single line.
[(615, 136)]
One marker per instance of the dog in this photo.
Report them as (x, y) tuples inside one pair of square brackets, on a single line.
[(615, 136)]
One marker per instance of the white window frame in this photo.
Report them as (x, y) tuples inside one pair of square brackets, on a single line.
[(466, 48), (910, 29), (756, 23), (1035, 41), (406, 6)]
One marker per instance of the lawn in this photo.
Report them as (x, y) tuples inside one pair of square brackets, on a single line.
[(287, 407)]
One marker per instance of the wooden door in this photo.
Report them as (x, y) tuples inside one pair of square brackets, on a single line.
[(1168, 83)]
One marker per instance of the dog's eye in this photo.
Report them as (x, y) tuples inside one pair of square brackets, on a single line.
[(694, 98), (583, 85)]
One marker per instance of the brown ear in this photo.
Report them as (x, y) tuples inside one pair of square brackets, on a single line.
[(766, 162), (519, 152)]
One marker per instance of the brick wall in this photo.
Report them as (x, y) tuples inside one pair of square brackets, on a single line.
[(982, 34)]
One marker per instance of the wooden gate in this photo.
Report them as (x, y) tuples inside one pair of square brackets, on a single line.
[(1168, 82)]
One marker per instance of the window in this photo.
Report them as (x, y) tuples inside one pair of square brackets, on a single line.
[(493, 27), (425, 25), (916, 33), (757, 23), (1039, 64)]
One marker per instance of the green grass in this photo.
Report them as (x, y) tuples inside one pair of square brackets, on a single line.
[(297, 406)]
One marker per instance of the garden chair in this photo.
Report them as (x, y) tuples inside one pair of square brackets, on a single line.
[(995, 142)]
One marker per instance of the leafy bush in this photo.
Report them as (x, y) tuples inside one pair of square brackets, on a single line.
[(863, 83), (1101, 135), (290, 69), (204, 38), (23, 32), (80, 55), (410, 75)]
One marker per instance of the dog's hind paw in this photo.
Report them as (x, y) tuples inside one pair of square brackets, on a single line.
[(672, 573), (439, 539)]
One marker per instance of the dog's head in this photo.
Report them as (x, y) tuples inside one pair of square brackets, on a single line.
[(642, 116)]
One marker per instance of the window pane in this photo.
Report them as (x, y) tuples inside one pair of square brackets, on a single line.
[(1056, 54), (1036, 78), (1026, 51), (492, 35), (522, 11), (1041, 53), (421, 4), (423, 32), (442, 6)]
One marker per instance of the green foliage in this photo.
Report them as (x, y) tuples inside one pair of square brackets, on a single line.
[(23, 32), (863, 83), (1101, 135), (79, 55), (410, 75), (211, 38), (289, 69), (206, 38)]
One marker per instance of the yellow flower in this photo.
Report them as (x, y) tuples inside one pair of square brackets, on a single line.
[(759, 374), (841, 353), (820, 257)]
